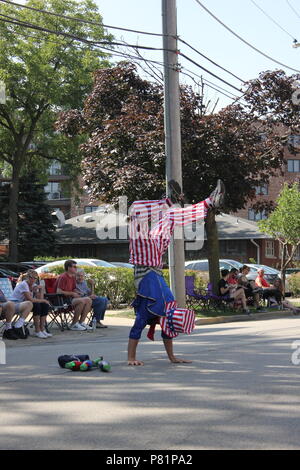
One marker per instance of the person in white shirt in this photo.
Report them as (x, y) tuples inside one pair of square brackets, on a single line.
[(26, 289)]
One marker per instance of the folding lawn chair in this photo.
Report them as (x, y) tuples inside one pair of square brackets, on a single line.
[(60, 306), (194, 299)]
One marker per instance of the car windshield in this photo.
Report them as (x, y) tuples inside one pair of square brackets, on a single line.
[(104, 264)]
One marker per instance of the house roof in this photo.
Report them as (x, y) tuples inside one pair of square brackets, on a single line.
[(100, 227)]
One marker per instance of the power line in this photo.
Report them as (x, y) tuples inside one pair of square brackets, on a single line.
[(98, 44), (61, 33), (243, 40), (274, 21), (292, 8), (74, 18), (206, 70), (210, 60)]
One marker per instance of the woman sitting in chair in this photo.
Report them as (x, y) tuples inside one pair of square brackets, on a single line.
[(233, 291), (27, 289)]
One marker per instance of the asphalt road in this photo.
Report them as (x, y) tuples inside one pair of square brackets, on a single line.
[(240, 392)]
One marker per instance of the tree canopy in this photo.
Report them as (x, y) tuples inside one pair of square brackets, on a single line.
[(44, 72), (283, 224)]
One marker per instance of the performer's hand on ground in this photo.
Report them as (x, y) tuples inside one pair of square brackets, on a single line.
[(134, 362), (178, 360)]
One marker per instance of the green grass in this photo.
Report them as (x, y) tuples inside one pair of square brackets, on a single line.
[(200, 313)]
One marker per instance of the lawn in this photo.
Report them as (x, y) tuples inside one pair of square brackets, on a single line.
[(200, 312)]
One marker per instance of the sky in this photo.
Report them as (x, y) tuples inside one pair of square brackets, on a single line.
[(205, 34)]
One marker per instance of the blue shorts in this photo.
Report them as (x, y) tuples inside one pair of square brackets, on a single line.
[(149, 304)]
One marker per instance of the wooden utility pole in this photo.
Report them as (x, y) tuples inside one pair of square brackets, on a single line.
[(173, 138)]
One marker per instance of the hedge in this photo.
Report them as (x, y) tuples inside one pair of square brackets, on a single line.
[(118, 283), (294, 283)]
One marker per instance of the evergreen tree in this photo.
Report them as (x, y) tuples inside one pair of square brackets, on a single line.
[(36, 232)]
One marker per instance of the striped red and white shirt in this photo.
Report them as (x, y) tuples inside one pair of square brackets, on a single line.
[(152, 225)]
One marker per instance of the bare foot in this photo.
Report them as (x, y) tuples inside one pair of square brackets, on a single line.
[(135, 363), (177, 360)]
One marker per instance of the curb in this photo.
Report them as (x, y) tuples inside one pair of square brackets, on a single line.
[(236, 318)]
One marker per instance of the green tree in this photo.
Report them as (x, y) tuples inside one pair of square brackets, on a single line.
[(36, 234), (43, 73), (283, 224), (124, 153)]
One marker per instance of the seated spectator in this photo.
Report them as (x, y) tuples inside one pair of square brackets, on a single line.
[(99, 304), (66, 285), (27, 289), (233, 276), (277, 284), (232, 291), (8, 310), (251, 290), (268, 290)]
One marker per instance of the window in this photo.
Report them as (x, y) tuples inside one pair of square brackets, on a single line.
[(252, 215), (88, 209), (294, 141), (293, 166), (297, 253), (270, 249), (262, 189), (55, 168), (53, 190)]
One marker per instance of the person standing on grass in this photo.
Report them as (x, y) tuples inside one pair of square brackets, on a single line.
[(147, 245), (66, 285)]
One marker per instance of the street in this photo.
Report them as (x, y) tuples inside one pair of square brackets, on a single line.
[(240, 392)]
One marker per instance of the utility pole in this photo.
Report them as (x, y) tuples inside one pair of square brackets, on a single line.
[(173, 138)]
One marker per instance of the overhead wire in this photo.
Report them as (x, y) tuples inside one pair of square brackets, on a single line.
[(74, 18), (114, 52), (273, 21), (243, 40), (206, 70), (210, 60), (292, 8), (61, 33)]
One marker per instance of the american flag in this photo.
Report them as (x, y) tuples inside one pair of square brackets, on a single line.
[(177, 320), (152, 225)]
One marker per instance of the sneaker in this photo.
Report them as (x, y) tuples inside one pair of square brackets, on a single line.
[(177, 196), (48, 335), (9, 334), (77, 327), (40, 335), (86, 327), (218, 194)]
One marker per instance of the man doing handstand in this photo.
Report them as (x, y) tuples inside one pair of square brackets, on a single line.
[(147, 246)]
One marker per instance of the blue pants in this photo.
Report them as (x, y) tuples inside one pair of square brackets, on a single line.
[(99, 306)]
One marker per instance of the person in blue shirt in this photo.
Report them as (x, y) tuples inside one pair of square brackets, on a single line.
[(99, 304)]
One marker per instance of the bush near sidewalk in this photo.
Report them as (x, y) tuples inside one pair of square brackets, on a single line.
[(294, 284), (118, 283)]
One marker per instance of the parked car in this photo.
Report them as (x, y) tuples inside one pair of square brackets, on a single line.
[(34, 264), (15, 267), (79, 261), (202, 265), (270, 274), (119, 264), (11, 275)]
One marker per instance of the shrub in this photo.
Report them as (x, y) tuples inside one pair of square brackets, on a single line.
[(294, 283), (118, 283)]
